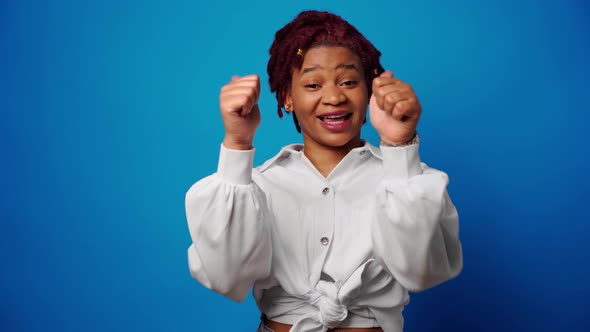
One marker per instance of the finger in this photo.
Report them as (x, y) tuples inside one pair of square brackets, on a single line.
[(252, 77), (397, 87), (255, 109), (248, 88), (381, 82), (400, 88), (406, 110), (245, 81), (392, 95), (401, 110), (391, 99), (232, 103), (387, 73), (391, 85), (240, 90), (248, 107), (250, 96), (250, 102), (240, 95), (384, 76)]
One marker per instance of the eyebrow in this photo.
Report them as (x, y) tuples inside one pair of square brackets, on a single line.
[(345, 66)]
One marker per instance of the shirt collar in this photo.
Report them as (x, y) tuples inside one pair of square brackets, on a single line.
[(296, 150)]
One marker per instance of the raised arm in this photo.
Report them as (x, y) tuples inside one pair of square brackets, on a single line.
[(226, 211), (416, 233)]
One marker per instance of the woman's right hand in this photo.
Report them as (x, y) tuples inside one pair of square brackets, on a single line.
[(238, 103)]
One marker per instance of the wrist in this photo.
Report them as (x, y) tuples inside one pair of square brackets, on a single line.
[(414, 139), (237, 145)]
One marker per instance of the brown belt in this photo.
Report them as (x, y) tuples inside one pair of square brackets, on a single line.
[(280, 327)]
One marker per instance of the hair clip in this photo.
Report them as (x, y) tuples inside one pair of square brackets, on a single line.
[(299, 51), (375, 71)]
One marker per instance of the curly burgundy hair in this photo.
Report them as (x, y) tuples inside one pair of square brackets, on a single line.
[(312, 29)]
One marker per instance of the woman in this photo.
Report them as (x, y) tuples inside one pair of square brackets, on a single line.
[(333, 233)]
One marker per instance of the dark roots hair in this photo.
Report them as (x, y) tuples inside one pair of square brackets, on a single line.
[(312, 29)]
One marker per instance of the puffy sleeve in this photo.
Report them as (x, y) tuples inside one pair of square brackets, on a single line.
[(226, 211), (416, 232)]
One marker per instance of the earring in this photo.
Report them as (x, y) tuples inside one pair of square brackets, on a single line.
[(288, 108)]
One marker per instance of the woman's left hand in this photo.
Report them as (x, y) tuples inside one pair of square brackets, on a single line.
[(394, 109)]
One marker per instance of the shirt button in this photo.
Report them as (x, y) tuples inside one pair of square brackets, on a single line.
[(324, 241), (326, 191), (363, 152)]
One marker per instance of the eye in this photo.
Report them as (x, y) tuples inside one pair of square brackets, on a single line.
[(349, 83), (312, 86)]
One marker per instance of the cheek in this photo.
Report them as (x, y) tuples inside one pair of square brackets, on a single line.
[(304, 103), (363, 114), (362, 99)]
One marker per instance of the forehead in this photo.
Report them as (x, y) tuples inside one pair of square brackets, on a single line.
[(330, 57)]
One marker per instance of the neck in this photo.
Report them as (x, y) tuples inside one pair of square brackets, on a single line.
[(325, 158)]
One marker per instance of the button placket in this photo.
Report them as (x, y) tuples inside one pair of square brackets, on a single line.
[(326, 230)]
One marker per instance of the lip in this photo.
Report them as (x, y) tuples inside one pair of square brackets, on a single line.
[(338, 112), (336, 125)]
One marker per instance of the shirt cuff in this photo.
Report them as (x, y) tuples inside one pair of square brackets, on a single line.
[(401, 162), (235, 166)]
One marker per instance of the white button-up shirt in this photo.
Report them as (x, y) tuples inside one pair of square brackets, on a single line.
[(324, 252)]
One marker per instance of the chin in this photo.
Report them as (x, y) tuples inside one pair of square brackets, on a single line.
[(339, 142)]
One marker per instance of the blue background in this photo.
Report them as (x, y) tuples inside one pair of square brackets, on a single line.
[(109, 113)]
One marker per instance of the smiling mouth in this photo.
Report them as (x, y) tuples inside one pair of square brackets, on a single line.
[(335, 118)]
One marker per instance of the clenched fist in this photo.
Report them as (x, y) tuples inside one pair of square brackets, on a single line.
[(394, 109), (238, 103)]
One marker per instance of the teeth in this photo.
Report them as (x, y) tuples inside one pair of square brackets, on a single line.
[(335, 116), (335, 121)]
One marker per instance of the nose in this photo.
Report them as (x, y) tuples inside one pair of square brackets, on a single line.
[(333, 96)]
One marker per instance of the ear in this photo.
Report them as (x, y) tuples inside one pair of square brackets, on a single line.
[(288, 102)]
